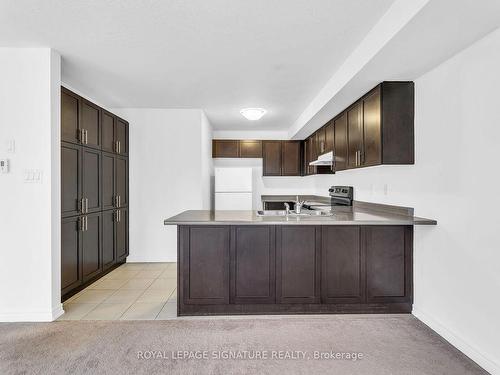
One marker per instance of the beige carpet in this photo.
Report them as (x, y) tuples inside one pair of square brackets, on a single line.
[(397, 344)]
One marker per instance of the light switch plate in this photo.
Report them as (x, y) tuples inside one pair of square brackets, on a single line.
[(4, 165), (11, 146)]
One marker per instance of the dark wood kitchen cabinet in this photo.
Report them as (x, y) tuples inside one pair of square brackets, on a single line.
[(121, 181), (340, 142), (342, 265), (91, 180), (355, 135), (250, 149), (91, 245), (321, 141), (263, 269), (297, 264), (90, 124), (70, 122), (71, 179), (388, 263), (329, 136), (121, 136), (71, 264), (108, 131), (121, 232), (205, 260), (271, 154), (372, 137), (291, 158), (94, 192), (225, 148), (108, 239), (108, 181), (252, 264)]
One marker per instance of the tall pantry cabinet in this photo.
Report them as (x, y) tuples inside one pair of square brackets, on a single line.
[(94, 192)]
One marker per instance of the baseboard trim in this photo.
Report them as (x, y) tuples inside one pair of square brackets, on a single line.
[(33, 316), (458, 342)]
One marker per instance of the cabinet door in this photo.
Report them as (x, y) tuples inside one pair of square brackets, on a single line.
[(372, 154), (388, 263), (340, 142), (91, 179), (290, 158), (108, 239), (329, 136), (108, 131), (121, 136), (225, 148), (355, 135), (70, 179), (121, 181), (253, 264), (250, 149), (342, 274), (311, 146), (108, 181), (90, 122), (121, 225), (298, 263), (71, 273), (91, 246), (205, 264), (271, 153), (321, 141), (70, 104)]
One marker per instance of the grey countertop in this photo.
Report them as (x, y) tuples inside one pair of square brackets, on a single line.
[(356, 215)]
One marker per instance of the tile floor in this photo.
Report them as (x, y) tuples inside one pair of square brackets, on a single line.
[(133, 291)]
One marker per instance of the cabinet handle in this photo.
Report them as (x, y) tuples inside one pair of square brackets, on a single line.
[(82, 205), (86, 136), (119, 201), (119, 147), (118, 216), (86, 222)]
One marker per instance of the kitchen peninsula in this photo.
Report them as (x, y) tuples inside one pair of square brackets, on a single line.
[(359, 259)]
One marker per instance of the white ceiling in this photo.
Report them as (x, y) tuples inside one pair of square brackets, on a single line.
[(219, 55)]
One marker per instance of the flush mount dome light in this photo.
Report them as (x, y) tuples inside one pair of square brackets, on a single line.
[(253, 114)]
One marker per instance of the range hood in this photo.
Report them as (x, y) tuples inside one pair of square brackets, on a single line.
[(325, 159)]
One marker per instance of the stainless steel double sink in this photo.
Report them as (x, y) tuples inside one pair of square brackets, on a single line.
[(293, 213)]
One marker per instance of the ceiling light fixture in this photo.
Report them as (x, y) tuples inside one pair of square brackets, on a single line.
[(253, 114)]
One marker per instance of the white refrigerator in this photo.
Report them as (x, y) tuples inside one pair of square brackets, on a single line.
[(233, 188)]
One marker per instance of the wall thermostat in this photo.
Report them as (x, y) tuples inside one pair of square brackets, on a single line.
[(4, 165)]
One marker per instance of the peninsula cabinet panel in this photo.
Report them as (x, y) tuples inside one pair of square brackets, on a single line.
[(250, 149), (91, 180), (342, 273), (121, 137), (206, 264), (372, 140), (121, 181), (70, 179), (354, 135), (253, 264), (90, 124), (225, 148), (108, 131), (71, 273), (108, 181), (298, 263), (70, 105), (340, 142), (271, 153), (388, 263), (121, 230), (91, 245), (291, 158), (108, 239)]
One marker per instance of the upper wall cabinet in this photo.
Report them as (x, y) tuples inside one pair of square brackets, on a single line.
[(70, 124), (225, 148), (250, 149), (272, 158), (90, 124)]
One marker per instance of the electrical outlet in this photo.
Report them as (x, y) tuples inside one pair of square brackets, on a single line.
[(33, 176), (11, 146), (4, 165)]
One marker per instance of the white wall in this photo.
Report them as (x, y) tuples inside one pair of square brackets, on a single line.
[(30, 211), (170, 168)]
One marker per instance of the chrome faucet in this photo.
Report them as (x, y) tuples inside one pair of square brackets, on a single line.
[(298, 205), (287, 208)]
